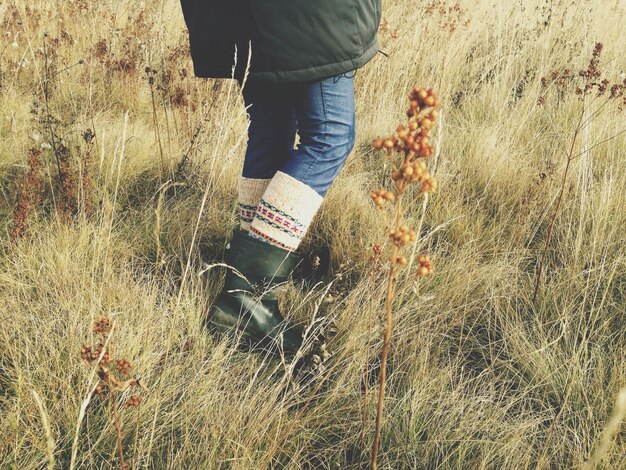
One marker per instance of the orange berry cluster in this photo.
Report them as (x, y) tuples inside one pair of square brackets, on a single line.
[(425, 266), (414, 139), (410, 171), (429, 184), (402, 236), (401, 260), (415, 171), (422, 98), (381, 196), (413, 143)]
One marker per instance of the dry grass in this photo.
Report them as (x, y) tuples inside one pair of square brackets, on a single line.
[(479, 375)]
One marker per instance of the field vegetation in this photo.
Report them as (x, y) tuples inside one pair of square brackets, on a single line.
[(118, 176)]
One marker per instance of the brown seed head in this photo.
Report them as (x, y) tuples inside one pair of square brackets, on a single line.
[(133, 401), (102, 325), (124, 366)]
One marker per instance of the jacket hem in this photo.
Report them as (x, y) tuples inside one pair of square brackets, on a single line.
[(318, 72)]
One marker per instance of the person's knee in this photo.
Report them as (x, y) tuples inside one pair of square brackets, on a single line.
[(335, 143), (344, 142)]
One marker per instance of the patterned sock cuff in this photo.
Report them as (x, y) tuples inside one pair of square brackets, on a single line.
[(285, 212), (250, 191)]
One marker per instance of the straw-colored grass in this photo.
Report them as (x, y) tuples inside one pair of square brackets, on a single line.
[(479, 375)]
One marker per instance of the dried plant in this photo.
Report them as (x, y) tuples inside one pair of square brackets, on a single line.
[(589, 86), (406, 151), (86, 183), (450, 16), (69, 184), (151, 75), (384, 29), (113, 375), (28, 194), (480, 357)]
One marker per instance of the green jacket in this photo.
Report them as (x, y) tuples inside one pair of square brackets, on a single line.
[(289, 40)]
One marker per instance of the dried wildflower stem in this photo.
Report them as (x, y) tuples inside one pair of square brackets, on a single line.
[(136, 440), (83, 407), (558, 206), (116, 418), (413, 144), (118, 432), (365, 399), (374, 271), (571, 156), (28, 195), (46, 96), (383, 365), (118, 428), (591, 82), (387, 336), (111, 382), (577, 130), (155, 120)]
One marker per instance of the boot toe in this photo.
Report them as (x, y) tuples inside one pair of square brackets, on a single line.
[(224, 317), (292, 339)]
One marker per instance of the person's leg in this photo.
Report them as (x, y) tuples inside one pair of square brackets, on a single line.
[(325, 116), (271, 136)]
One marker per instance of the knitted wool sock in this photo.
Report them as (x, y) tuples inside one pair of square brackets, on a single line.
[(250, 191), (285, 212)]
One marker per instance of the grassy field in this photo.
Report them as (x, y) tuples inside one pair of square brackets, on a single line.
[(118, 176)]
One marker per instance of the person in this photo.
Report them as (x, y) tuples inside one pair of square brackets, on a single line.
[(295, 62)]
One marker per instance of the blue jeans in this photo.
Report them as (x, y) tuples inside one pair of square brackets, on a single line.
[(322, 112)]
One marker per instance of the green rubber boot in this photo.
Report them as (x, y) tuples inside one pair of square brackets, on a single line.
[(248, 301)]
